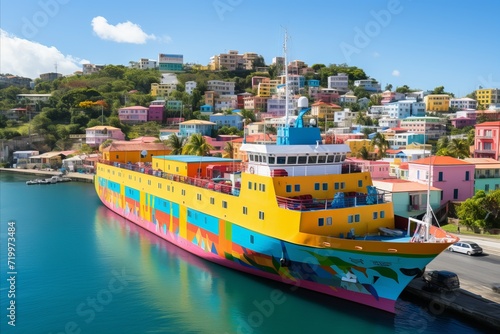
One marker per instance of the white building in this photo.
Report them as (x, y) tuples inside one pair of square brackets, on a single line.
[(225, 102), (348, 98), (221, 87), (339, 82), (404, 108), (144, 64), (189, 86), (388, 122), (463, 103), (370, 85)]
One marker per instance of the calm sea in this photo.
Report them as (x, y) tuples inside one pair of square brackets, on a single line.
[(78, 268)]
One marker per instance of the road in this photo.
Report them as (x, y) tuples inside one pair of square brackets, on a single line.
[(478, 273)]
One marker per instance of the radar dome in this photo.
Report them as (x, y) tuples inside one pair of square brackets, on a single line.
[(302, 102)]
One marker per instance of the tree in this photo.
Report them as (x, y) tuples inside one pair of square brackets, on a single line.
[(228, 150), (176, 143), (388, 87), (363, 153), (481, 211), (381, 143), (248, 116), (459, 148), (197, 145)]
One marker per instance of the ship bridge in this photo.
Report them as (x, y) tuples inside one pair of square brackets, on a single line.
[(295, 160)]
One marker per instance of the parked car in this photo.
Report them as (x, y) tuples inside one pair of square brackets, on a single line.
[(466, 247), (441, 280)]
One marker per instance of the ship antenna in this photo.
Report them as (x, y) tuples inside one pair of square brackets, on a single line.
[(286, 78)]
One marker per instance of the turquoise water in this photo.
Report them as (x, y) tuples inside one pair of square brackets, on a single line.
[(82, 269)]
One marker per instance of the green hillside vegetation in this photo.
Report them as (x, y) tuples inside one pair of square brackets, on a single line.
[(82, 101)]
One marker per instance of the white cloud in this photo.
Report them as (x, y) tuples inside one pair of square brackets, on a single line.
[(29, 59), (126, 32), (395, 73)]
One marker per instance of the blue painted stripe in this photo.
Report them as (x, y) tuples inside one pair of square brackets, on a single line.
[(261, 243), (161, 204), (132, 194), (175, 210), (113, 186), (203, 221)]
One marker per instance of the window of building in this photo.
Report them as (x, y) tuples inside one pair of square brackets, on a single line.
[(297, 187), (455, 193), (288, 188), (375, 215), (440, 177), (325, 186), (467, 176), (224, 204)]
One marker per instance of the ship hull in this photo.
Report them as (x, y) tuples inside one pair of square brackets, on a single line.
[(372, 278), (384, 304)]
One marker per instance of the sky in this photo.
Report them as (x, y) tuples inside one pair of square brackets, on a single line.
[(423, 44)]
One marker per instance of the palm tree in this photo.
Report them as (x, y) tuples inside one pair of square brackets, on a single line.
[(228, 150), (442, 142), (197, 145), (176, 143), (382, 144), (248, 116), (459, 148), (363, 153)]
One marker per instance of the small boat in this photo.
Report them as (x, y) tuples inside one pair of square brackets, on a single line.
[(32, 182)]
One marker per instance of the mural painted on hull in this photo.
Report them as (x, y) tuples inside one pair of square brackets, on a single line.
[(335, 270)]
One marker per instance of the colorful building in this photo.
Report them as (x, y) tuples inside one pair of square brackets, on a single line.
[(488, 96), (437, 102), (97, 135), (453, 176), (487, 140)]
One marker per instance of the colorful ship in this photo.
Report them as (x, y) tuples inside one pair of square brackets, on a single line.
[(294, 211)]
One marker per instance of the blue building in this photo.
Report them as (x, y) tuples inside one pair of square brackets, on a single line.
[(221, 120)]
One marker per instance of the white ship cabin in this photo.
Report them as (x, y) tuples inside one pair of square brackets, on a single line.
[(295, 160)]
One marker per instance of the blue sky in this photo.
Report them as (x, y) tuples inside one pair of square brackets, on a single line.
[(422, 44)]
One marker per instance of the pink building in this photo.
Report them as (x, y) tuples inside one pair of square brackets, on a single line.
[(487, 140), (96, 135), (453, 176), (155, 113), (378, 169), (133, 115)]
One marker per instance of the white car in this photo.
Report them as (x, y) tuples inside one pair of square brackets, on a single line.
[(466, 247)]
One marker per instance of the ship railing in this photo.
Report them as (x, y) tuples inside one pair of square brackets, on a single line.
[(349, 199), (207, 183)]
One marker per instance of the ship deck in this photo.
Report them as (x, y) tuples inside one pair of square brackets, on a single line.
[(298, 203)]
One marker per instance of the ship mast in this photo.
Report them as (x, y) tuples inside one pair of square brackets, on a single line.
[(287, 99)]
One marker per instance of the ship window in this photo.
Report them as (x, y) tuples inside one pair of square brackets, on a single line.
[(250, 157), (382, 214), (302, 160), (316, 186), (260, 158), (249, 185), (149, 182), (356, 218), (245, 210), (177, 169), (330, 158), (325, 186), (198, 197), (292, 160), (189, 213), (343, 157), (261, 215), (288, 188), (312, 159), (264, 159), (183, 192), (337, 157), (251, 239), (342, 185), (297, 187), (281, 160), (328, 220), (321, 221), (337, 186), (271, 160), (349, 219), (360, 183), (321, 159), (224, 204), (375, 215), (159, 185), (212, 200)]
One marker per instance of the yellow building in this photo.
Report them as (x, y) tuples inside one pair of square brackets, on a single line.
[(357, 144), (437, 102), (321, 109), (488, 96), (129, 151), (162, 90), (267, 87)]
